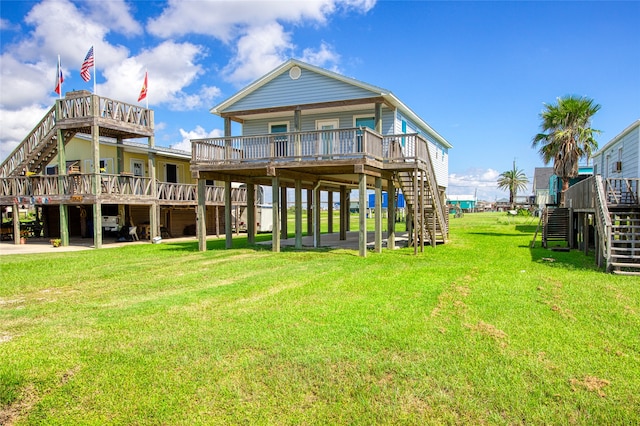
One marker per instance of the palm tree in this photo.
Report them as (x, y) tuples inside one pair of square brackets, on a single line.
[(567, 136), (513, 181)]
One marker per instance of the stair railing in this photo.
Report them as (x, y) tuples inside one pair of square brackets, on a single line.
[(603, 219)]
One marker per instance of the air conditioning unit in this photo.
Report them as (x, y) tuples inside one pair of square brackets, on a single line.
[(617, 166)]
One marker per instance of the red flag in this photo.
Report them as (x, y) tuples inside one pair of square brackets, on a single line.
[(143, 91), (86, 65), (59, 79)]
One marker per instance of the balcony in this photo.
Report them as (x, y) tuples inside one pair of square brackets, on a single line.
[(354, 145), (114, 189)]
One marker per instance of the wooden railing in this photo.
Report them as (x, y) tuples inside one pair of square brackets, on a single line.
[(622, 191), (293, 146), (581, 195), (78, 107), (137, 186), (41, 132), (603, 218)]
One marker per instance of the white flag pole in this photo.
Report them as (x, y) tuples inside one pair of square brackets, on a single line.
[(94, 71), (59, 80)]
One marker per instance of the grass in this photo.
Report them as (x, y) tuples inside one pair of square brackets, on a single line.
[(482, 330)]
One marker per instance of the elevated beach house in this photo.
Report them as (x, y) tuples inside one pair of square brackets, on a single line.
[(85, 172), (307, 128), (609, 203)]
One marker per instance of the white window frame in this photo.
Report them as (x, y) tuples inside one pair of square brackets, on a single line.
[(278, 123), (355, 118), (133, 162), (108, 165)]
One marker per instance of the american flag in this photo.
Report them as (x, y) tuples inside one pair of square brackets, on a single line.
[(86, 65)]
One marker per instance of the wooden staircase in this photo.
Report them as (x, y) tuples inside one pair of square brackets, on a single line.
[(432, 219), (555, 225), (625, 241), (36, 150)]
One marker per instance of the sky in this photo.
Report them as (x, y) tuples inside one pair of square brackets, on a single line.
[(478, 72)]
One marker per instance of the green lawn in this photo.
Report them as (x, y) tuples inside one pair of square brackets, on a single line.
[(482, 330)]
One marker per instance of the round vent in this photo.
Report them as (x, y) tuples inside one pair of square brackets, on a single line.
[(295, 73)]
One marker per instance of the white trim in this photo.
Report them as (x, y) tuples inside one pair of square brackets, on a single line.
[(108, 165), (332, 121), (136, 160), (355, 117), (278, 123)]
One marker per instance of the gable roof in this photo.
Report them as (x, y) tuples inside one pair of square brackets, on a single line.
[(630, 128), (374, 91)]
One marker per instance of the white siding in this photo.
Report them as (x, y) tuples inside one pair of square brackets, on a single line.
[(625, 148)]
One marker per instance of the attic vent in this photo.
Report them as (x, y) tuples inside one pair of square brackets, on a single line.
[(295, 73)]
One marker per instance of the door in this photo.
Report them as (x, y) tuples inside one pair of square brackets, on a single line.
[(171, 173), (369, 122), (327, 138), (279, 142)]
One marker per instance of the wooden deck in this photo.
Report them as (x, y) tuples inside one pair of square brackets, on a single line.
[(114, 189)]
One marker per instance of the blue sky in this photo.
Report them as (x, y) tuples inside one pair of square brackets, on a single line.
[(478, 72)]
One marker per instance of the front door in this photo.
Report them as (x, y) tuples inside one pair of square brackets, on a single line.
[(327, 138)]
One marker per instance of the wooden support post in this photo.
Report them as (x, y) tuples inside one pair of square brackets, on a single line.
[(330, 212), (309, 212), (316, 217), (228, 229), (416, 218), (298, 213), (585, 232), (62, 175), (377, 118), (391, 220), (15, 217), (344, 212), (154, 216), (378, 215), (201, 215), (275, 234), (251, 213), (362, 210), (119, 156), (97, 179), (284, 232)]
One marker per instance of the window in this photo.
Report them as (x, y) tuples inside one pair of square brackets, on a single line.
[(327, 138), (364, 121), (106, 165), (137, 167), (279, 142), (171, 173)]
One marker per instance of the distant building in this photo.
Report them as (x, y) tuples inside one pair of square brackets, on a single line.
[(466, 202)]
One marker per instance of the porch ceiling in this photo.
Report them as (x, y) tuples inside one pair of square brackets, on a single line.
[(308, 109)]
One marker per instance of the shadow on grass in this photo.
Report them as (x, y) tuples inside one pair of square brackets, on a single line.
[(571, 259)]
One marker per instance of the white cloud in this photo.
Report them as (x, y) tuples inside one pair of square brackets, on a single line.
[(116, 15), (482, 182), (258, 52), (324, 56), (197, 133), (16, 125)]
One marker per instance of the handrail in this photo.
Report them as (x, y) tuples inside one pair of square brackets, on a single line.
[(622, 190), (291, 146), (603, 218), (22, 152)]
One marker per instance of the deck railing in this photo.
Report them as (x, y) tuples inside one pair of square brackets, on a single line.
[(293, 146), (125, 185), (622, 191), (581, 195), (78, 107)]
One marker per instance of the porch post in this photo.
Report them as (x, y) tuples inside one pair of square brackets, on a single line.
[(97, 187), (15, 217), (201, 215), (62, 175), (251, 213), (119, 156), (330, 212), (378, 216), (344, 212), (378, 117), (316, 217), (284, 233), (154, 214), (228, 230), (391, 213), (309, 212), (275, 234), (415, 212), (298, 201), (362, 202)]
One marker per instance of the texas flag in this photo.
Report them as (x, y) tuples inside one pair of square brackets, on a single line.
[(143, 91), (59, 79)]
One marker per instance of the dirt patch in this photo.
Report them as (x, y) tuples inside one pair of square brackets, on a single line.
[(11, 413), (4, 338), (490, 331), (591, 384), (554, 299)]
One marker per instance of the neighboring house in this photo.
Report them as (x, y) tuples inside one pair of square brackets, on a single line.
[(555, 183), (134, 184), (604, 208), (466, 202), (620, 157), (541, 179), (315, 129)]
